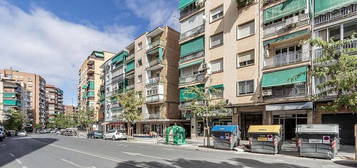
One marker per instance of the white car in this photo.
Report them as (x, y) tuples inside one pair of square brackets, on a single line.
[(22, 133), (115, 135)]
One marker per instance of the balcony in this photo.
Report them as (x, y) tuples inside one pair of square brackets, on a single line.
[(155, 44), (338, 14), (152, 81), (286, 25), (286, 91), (188, 11), (192, 56), (193, 32), (192, 79), (154, 115), (154, 98), (131, 86), (285, 59), (352, 44), (130, 57)]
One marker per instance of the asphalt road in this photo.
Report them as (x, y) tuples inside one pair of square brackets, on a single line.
[(54, 151)]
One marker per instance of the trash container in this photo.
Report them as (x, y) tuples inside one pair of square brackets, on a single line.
[(225, 136), (318, 140), (175, 135), (265, 138)]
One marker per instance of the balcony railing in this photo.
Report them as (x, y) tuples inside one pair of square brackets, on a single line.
[(155, 44), (193, 32), (154, 62), (187, 12), (192, 56), (352, 44), (132, 86), (297, 90), (154, 98), (130, 57), (337, 14), (153, 81), (286, 24), (285, 59), (192, 79), (154, 115)]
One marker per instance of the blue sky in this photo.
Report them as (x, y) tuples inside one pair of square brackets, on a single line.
[(53, 37)]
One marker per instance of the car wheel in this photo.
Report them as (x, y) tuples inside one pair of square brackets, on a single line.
[(113, 138)]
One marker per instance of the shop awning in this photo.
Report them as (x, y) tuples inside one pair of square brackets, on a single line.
[(283, 9), (193, 46), (191, 63), (289, 106), (286, 37), (324, 6), (185, 3), (284, 77)]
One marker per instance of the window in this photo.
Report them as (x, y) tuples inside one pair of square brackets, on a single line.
[(140, 78), (217, 40), (349, 29), (217, 65), (245, 30), (140, 62), (245, 87), (216, 13), (245, 59), (322, 34), (335, 33), (140, 46)]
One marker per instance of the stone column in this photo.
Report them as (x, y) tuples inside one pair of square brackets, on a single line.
[(193, 127)]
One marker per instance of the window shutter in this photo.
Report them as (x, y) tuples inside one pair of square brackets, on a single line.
[(246, 29)]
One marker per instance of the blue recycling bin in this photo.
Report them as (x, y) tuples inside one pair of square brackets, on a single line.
[(225, 136)]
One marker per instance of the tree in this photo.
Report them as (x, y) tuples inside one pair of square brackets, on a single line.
[(337, 65), (203, 104), (63, 121), (15, 120), (85, 118), (131, 102)]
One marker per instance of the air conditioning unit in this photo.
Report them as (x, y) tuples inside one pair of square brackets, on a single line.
[(267, 92)]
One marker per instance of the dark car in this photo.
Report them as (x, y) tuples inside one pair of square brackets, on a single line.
[(95, 134)]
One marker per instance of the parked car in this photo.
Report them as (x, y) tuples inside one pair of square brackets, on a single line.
[(95, 134), (22, 133), (70, 132), (11, 133), (2, 135), (115, 135)]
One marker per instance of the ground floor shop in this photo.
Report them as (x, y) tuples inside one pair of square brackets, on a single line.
[(158, 127)]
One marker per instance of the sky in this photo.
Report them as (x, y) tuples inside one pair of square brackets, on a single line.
[(53, 37)]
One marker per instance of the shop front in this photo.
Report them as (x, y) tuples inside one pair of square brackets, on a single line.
[(158, 126)]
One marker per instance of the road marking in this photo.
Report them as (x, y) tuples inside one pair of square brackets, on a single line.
[(11, 154), (18, 161), (72, 163), (139, 154), (85, 153)]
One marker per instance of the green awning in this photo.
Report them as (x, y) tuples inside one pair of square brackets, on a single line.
[(91, 85), (119, 57), (221, 86), (285, 77), (12, 103), (98, 53), (324, 6), (283, 9), (85, 86), (286, 37), (161, 53), (191, 63), (192, 46), (9, 95), (91, 94), (130, 66), (185, 3), (185, 96)]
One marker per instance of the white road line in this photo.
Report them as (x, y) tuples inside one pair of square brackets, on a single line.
[(18, 161), (73, 164), (11, 154), (139, 154)]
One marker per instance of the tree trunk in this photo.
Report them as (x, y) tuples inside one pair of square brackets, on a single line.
[(208, 133)]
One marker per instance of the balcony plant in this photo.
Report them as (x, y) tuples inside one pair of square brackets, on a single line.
[(244, 3)]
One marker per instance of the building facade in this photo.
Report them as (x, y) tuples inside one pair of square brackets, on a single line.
[(69, 110), (148, 65), (54, 98), (35, 86), (89, 84), (335, 20)]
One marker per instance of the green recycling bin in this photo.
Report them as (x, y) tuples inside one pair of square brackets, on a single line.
[(175, 135)]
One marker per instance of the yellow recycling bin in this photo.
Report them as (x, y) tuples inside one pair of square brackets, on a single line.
[(265, 138)]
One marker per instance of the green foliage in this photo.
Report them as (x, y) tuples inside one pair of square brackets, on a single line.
[(15, 120), (38, 126), (337, 63), (131, 101), (62, 121), (244, 3), (85, 118)]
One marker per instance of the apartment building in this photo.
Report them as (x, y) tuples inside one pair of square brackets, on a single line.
[(219, 48), (335, 20), (54, 99), (148, 65), (35, 86), (69, 110), (89, 84), (12, 96)]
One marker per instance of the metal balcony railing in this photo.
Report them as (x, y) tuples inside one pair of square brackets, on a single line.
[(153, 81), (154, 98), (289, 91), (187, 12), (130, 57), (337, 14), (193, 32), (154, 62), (132, 86), (154, 115), (352, 44), (285, 59), (192, 78), (286, 24), (155, 44), (192, 56)]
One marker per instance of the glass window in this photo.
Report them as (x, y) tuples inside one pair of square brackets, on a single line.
[(245, 59), (335, 33), (217, 65), (245, 30), (322, 34), (349, 29), (140, 46), (140, 78), (217, 40), (216, 13), (245, 87)]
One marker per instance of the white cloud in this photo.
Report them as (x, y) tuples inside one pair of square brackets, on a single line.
[(157, 12), (42, 43)]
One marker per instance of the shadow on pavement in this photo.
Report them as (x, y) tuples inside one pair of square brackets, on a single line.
[(347, 163), (184, 163), (16, 147)]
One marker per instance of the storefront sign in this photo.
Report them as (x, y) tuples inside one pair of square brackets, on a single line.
[(289, 106)]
